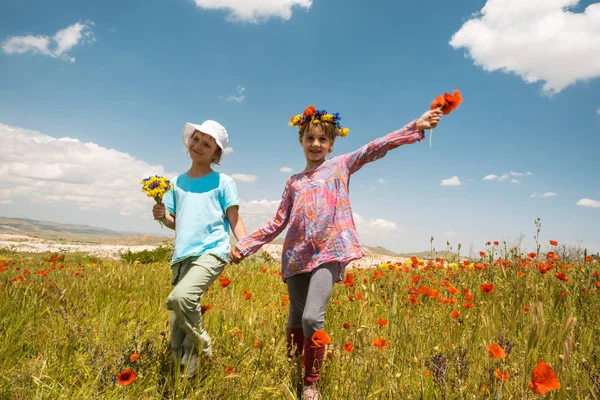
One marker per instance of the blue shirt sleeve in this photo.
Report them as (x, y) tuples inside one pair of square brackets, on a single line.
[(229, 196), (169, 201)]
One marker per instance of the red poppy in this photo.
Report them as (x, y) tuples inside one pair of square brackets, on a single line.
[(525, 308), (598, 284), (229, 370), (487, 287), (467, 295), (247, 295), (553, 243), (382, 322), (439, 102), (481, 253), (589, 259), (543, 379), (520, 274), (126, 377), (415, 278), (310, 111), (223, 281), (413, 299), (321, 338), (256, 343), (496, 351), (502, 375), (348, 347), (205, 308), (531, 255), (380, 343), (346, 325), (455, 314), (468, 304), (496, 243), (562, 276), (134, 356), (453, 290)]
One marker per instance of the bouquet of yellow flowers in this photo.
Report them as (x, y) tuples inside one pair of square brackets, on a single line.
[(156, 187)]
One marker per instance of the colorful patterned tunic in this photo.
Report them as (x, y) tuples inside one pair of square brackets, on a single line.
[(316, 208)]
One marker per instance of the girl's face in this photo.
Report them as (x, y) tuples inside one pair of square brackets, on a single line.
[(203, 148), (316, 144)]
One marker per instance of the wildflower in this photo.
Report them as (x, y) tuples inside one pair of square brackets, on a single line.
[(543, 379), (256, 343), (453, 290), (382, 322), (348, 347), (247, 295), (467, 295), (380, 343), (562, 276), (134, 356), (415, 278), (496, 243), (237, 332), (468, 304), (413, 299), (205, 308), (223, 281), (126, 377), (487, 287), (502, 375), (455, 314), (481, 253), (589, 259), (598, 284), (526, 308), (553, 243), (346, 325), (496, 351), (531, 255), (520, 274), (229, 370), (321, 338)]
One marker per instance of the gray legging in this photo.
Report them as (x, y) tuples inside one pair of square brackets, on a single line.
[(309, 294)]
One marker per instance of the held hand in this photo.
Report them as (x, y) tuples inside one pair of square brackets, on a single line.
[(158, 211), (429, 120), (235, 256)]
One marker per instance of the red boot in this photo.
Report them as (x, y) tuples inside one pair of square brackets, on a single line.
[(295, 342), (313, 360)]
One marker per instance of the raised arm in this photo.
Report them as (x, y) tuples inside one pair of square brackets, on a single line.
[(378, 148), (252, 243)]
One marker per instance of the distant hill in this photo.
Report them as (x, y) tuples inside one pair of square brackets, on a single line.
[(72, 232)]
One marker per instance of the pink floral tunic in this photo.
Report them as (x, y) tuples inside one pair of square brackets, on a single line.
[(316, 207)]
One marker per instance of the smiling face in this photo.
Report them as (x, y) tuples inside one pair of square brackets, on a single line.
[(203, 148), (317, 142)]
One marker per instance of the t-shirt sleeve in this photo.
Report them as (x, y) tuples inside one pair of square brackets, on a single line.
[(169, 200), (229, 196)]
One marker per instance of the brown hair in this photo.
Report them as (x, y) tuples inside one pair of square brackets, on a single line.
[(327, 127)]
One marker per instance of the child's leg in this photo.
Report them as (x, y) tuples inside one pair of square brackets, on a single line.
[(297, 291), (184, 300), (313, 318)]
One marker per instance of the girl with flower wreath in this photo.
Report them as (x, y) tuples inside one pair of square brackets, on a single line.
[(321, 239), (201, 207)]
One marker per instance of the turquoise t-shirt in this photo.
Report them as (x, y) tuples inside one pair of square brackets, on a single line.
[(199, 206)]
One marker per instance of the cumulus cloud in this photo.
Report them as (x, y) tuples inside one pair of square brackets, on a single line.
[(515, 181), (239, 96), (538, 40), (254, 11), (366, 226), (589, 203), (454, 181), (46, 169), (490, 177), (544, 195), (598, 110), (228, 150), (56, 46), (285, 169), (244, 178), (506, 176), (381, 180)]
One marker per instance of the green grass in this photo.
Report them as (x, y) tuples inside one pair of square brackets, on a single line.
[(67, 335)]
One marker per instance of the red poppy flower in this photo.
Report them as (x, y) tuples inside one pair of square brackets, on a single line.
[(589, 259), (415, 278), (310, 111), (321, 338), (382, 322), (126, 377), (247, 295), (467, 295), (413, 299), (229, 370), (496, 243), (502, 375), (455, 314), (543, 379), (380, 343), (531, 255), (520, 274), (481, 253), (553, 243), (598, 284), (562, 276), (468, 304), (348, 347), (134, 356), (223, 281), (525, 308), (496, 351), (346, 325), (487, 287), (453, 290)]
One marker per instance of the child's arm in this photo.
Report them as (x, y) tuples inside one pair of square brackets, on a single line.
[(378, 148), (237, 225), (252, 243), (160, 214)]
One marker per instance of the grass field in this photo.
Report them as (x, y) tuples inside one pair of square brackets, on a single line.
[(70, 324)]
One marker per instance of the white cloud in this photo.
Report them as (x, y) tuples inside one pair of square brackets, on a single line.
[(450, 234), (503, 177), (241, 95), (378, 225), (454, 181), (539, 40), (515, 181), (490, 177), (46, 170), (381, 180), (228, 150), (528, 173), (244, 178), (598, 110), (254, 11), (57, 46), (513, 173), (589, 203), (506, 176), (285, 169), (549, 194)]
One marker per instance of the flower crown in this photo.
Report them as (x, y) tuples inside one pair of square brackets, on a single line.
[(311, 114)]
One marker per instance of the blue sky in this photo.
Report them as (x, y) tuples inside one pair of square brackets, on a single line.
[(94, 96)]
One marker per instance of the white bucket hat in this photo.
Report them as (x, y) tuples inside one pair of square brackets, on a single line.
[(210, 127)]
